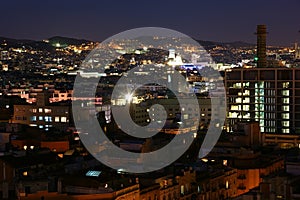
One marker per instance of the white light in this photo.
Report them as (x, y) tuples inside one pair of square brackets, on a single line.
[(128, 97), (76, 138), (195, 135), (31, 147), (25, 147), (106, 185)]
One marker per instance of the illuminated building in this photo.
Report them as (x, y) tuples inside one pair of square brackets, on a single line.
[(270, 96), (140, 113), (4, 55), (42, 114)]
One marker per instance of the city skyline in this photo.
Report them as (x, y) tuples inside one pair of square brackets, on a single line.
[(96, 21), (149, 100)]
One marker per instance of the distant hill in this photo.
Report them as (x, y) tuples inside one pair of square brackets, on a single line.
[(66, 41), (11, 41), (235, 44), (19, 43)]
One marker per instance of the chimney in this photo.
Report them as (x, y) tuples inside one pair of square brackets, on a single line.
[(261, 53)]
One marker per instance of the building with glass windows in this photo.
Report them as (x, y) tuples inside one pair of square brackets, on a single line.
[(270, 96), (42, 114)]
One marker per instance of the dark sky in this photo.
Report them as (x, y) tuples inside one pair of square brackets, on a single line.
[(223, 20)]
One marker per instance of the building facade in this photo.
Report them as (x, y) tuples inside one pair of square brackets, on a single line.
[(43, 114), (270, 96)]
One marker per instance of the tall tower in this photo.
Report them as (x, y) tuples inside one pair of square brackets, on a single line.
[(261, 33), (297, 52)]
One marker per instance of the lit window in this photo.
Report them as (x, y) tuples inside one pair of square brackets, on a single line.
[(285, 92), (285, 115), (63, 119), (286, 108), (286, 123), (286, 100), (40, 118), (285, 130), (182, 190), (47, 110), (48, 119), (34, 110), (33, 118), (25, 173), (246, 107), (41, 126), (56, 119), (40, 110)]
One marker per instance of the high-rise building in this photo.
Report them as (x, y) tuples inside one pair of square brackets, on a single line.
[(270, 96)]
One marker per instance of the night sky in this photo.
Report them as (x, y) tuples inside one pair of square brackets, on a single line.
[(224, 20)]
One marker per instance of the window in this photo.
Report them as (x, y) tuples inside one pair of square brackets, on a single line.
[(47, 110), (40, 110), (33, 118), (18, 118), (286, 108), (63, 119), (48, 119), (182, 189), (56, 119), (40, 118), (34, 110)]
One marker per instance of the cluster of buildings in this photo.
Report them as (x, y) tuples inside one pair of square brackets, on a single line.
[(256, 157)]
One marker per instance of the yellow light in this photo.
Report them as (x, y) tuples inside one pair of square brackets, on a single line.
[(25, 173)]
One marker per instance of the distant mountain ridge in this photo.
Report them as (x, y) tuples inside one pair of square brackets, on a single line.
[(234, 44), (52, 41), (67, 40)]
